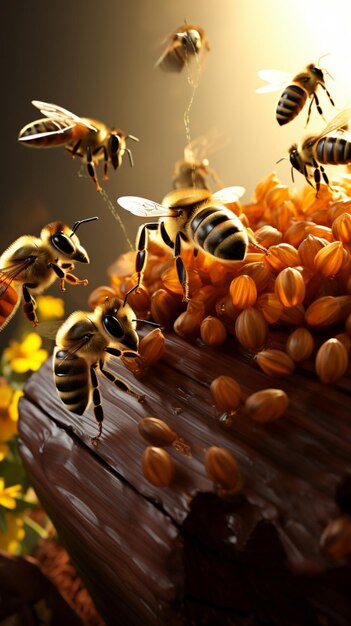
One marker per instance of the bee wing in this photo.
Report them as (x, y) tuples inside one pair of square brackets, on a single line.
[(144, 208), (336, 124), (203, 146), (55, 112), (49, 329), (275, 79), (61, 128), (10, 273), (229, 194)]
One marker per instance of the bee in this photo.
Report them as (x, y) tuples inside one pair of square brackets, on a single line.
[(31, 264), (194, 169), (83, 343), (90, 139), (186, 42), (192, 217), (326, 148), (295, 91)]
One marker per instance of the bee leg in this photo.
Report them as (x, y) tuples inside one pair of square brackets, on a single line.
[(141, 256), (119, 383), (328, 94), (73, 280), (255, 243), (325, 177), (317, 179), (181, 271), (75, 149), (130, 354), (29, 306), (105, 176), (91, 168), (67, 266), (98, 410)]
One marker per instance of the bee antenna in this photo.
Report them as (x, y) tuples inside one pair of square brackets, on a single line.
[(292, 174), (326, 54), (132, 137), (79, 222), (282, 159), (147, 322)]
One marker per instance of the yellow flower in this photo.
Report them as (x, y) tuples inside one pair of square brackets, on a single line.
[(50, 307), (26, 355), (8, 415), (8, 495), (10, 541)]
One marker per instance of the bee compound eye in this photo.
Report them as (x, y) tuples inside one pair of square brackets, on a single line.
[(63, 243), (113, 326), (114, 143)]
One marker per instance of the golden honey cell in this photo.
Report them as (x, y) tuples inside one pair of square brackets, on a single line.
[(331, 361), (222, 468), (290, 287), (251, 329), (300, 344), (275, 362), (226, 393), (212, 331), (329, 260), (158, 466), (157, 432), (266, 405), (243, 291)]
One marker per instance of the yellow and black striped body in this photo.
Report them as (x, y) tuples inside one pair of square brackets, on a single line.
[(290, 103), (333, 150), (218, 231), (72, 380)]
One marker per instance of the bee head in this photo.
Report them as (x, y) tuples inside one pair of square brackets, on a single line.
[(317, 72), (114, 149), (118, 323), (295, 158), (64, 241)]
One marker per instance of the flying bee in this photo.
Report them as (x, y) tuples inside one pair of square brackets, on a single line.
[(326, 148), (192, 217), (194, 169), (186, 42), (83, 343), (31, 264), (296, 90), (90, 139)]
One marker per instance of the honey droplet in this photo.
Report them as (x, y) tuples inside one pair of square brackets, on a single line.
[(329, 259), (266, 405), (336, 538), (226, 393), (275, 362), (243, 291), (290, 287), (212, 331), (157, 432), (157, 466), (251, 329), (331, 361), (152, 346), (222, 468), (300, 344)]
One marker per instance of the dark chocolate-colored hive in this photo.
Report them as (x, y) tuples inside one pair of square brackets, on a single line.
[(181, 555)]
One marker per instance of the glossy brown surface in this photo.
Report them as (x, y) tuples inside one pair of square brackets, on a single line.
[(180, 554)]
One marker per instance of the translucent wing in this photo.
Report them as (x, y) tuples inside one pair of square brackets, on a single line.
[(60, 129), (336, 124), (55, 112), (275, 78), (229, 194), (203, 146), (11, 273), (144, 208)]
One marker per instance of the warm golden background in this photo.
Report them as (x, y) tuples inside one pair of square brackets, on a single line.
[(97, 59)]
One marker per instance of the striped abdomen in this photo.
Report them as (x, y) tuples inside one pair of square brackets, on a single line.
[(29, 134), (219, 232), (290, 104), (9, 302), (333, 150), (72, 380)]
